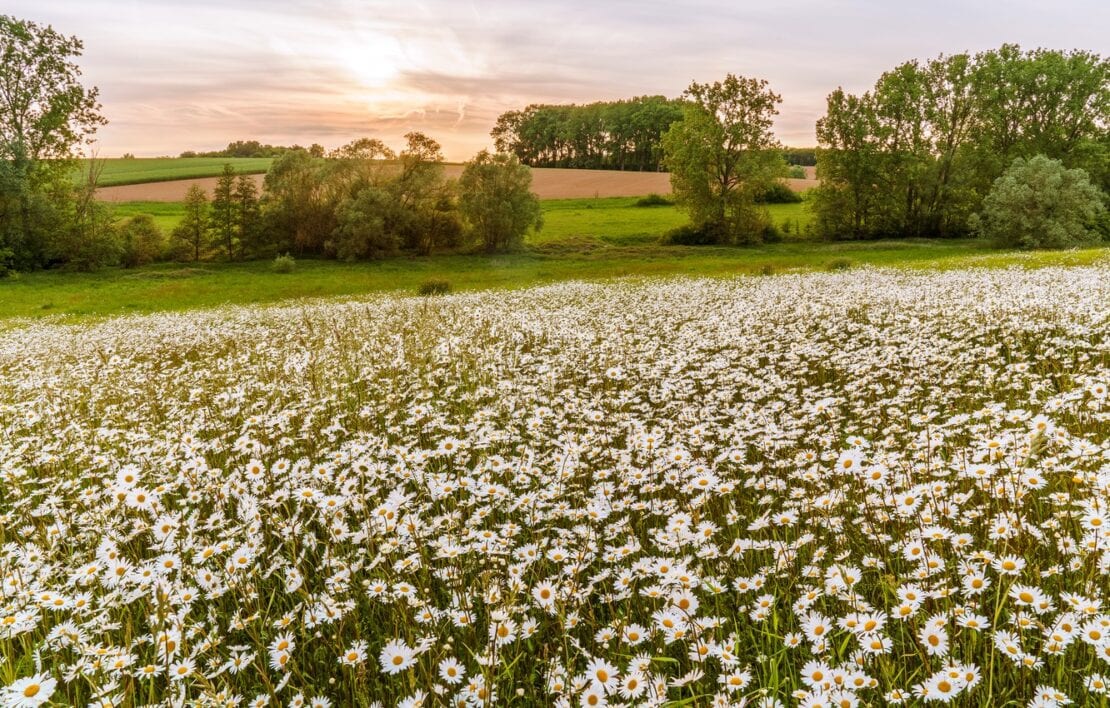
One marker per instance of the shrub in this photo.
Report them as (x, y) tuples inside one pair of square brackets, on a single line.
[(778, 193), (771, 233), (839, 264), (284, 264), (796, 172), (7, 262), (434, 286), (691, 235), (1039, 203), (654, 200), (141, 241)]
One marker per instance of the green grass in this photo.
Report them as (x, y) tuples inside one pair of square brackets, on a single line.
[(166, 214), (169, 287), (589, 239), (119, 171), (598, 222)]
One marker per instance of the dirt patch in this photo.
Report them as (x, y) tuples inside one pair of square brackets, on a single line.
[(548, 183)]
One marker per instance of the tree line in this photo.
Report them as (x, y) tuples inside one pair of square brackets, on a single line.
[(254, 148), (609, 135), (361, 201), (918, 153)]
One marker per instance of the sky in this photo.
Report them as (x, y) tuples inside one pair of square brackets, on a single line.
[(196, 74)]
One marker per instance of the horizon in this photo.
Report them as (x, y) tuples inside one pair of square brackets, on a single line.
[(175, 77)]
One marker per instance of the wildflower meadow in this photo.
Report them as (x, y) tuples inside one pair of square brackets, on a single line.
[(862, 488)]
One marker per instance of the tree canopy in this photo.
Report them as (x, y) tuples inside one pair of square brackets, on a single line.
[(613, 135), (46, 117), (723, 157), (916, 155)]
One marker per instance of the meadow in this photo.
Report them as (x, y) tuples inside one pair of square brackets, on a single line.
[(76, 297), (868, 487), (604, 220), (121, 171)]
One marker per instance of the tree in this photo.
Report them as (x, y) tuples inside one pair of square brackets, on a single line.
[(247, 216), (496, 200), (723, 154), (223, 213), (46, 114), (404, 204), (141, 241), (916, 155), (193, 229), (1039, 203), (298, 209)]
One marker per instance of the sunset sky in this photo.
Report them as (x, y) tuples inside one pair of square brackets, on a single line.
[(197, 74)]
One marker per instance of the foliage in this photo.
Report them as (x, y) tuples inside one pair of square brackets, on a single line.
[(245, 148), (796, 172), (916, 155), (192, 232), (407, 205), (141, 241), (434, 286), (247, 217), (654, 200), (804, 157), (224, 214), (299, 203), (496, 201), (723, 155), (46, 116), (614, 135), (1039, 203), (778, 193), (284, 264)]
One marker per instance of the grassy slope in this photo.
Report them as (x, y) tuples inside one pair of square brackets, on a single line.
[(173, 287), (163, 169)]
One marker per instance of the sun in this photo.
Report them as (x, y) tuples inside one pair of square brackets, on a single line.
[(373, 60)]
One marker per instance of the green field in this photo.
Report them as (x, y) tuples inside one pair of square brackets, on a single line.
[(71, 296), (118, 171), (584, 222)]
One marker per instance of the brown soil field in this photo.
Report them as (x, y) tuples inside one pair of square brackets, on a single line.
[(548, 183)]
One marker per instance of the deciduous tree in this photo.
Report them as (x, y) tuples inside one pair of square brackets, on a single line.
[(46, 115), (723, 154), (496, 200)]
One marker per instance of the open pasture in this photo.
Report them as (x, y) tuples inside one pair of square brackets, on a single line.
[(862, 488), (147, 170)]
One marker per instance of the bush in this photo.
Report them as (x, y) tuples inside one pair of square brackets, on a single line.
[(7, 262), (141, 241), (284, 264), (797, 172), (654, 200), (1039, 203), (778, 193), (839, 264), (434, 286), (691, 235), (496, 200), (771, 233)]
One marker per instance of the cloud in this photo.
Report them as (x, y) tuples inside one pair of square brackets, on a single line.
[(178, 75)]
